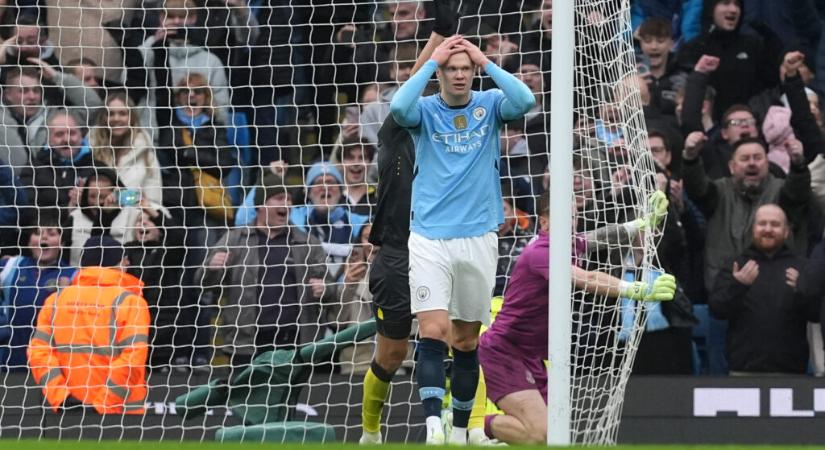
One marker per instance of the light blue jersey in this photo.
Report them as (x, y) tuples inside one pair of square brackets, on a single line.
[(457, 187)]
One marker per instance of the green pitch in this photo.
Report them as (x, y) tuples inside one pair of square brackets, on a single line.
[(109, 445)]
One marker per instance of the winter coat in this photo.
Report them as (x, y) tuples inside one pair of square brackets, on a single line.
[(747, 64), (767, 321), (240, 280), (51, 178), (92, 341), (139, 168)]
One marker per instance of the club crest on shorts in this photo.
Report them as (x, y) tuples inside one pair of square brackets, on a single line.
[(460, 122), (422, 293), (530, 378), (479, 113)]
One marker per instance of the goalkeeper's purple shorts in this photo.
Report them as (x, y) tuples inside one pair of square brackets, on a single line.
[(506, 371)]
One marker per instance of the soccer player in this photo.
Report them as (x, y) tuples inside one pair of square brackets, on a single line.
[(456, 210), (513, 349), (389, 276)]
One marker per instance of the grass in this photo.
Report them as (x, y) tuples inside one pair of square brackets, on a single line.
[(133, 445)]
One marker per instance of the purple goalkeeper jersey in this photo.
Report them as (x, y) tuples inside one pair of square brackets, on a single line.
[(523, 317)]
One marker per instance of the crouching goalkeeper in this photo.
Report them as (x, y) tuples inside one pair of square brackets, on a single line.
[(513, 350)]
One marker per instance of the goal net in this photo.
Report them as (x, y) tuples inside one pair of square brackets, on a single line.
[(230, 147)]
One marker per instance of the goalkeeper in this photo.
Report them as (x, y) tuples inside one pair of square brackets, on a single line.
[(513, 350)]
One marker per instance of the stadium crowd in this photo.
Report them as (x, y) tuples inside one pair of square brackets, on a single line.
[(231, 148)]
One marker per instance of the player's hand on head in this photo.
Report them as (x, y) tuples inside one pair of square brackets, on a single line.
[(476, 55), (446, 49)]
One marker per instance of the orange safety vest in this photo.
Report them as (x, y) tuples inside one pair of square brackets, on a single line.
[(92, 341)]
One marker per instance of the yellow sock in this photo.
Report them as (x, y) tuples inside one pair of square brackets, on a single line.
[(479, 405), (375, 394)]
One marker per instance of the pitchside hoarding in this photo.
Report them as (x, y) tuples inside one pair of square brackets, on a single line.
[(657, 410)]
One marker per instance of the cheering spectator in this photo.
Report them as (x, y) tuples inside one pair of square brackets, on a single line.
[(156, 258), (273, 275), (27, 281), (360, 195), (758, 295), (102, 211), (746, 64), (111, 376), (325, 217), (25, 111), (730, 203), (119, 142), (30, 40), (61, 166), (658, 66), (172, 56), (686, 15), (195, 153), (738, 123)]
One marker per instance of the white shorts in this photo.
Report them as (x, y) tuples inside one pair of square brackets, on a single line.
[(456, 275)]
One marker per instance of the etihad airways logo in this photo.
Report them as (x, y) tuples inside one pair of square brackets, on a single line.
[(460, 142)]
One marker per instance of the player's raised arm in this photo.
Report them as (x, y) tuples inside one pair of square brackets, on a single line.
[(446, 24), (404, 106), (518, 98)]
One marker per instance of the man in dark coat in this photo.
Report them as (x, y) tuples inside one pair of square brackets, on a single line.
[(758, 295)]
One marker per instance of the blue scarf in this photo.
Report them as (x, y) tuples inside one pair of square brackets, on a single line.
[(192, 122), (656, 320)]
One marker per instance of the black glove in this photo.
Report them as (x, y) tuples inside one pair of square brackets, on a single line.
[(446, 17)]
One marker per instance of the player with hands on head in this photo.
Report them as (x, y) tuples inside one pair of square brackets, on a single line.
[(456, 211), (389, 274), (513, 350)]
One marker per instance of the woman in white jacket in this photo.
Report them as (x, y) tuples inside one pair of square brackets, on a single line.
[(119, 141)]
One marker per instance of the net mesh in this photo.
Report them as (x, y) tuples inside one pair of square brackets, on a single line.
[(156, 123)]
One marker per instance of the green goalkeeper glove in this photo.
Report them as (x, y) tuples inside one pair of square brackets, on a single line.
[(657, 205), (662, 290)]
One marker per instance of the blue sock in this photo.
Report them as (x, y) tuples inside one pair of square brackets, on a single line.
[(463, 385), (430, 375)]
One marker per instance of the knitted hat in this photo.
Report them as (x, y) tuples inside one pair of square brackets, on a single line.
[(322, 168), (103, 251), (271, 184)]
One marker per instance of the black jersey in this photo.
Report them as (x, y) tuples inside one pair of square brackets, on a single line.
[(396, 159)]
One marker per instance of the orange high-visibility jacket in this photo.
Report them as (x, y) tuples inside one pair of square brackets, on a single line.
[(91, 342)]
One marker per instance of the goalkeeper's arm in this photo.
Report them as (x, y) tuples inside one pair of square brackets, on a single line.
[(600, 283)]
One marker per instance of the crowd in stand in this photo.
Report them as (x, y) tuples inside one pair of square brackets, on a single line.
[(185, 136)]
